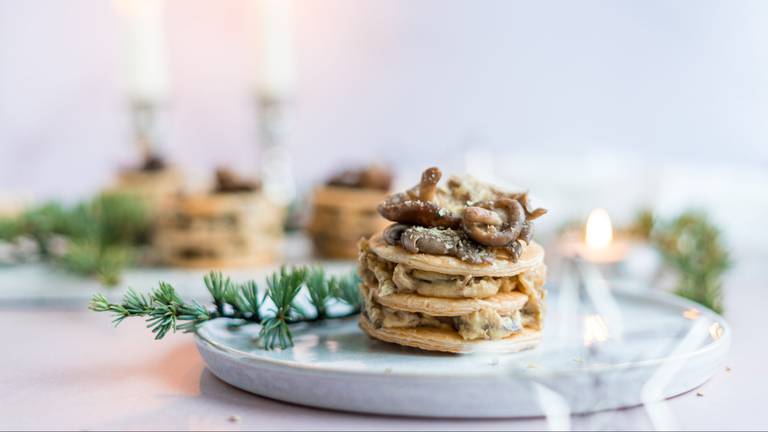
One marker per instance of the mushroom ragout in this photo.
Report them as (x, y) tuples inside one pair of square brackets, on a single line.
[(466, 220)]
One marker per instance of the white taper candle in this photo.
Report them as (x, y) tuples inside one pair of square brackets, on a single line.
[(143, 48), (272, 29)]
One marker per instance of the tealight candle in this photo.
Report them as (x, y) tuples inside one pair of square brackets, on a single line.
[(598, 245)]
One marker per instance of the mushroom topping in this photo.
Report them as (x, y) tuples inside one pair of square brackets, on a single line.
[(415, 212), (428, 186), (153, 162), (429, 241), (444, 221), (228, 181), (442, 241), (372, 177), (419, 205), (515, 249), (393, 233), (494, 223), (526, 234), (531, 213)]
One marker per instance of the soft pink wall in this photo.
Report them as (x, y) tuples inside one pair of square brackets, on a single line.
[(411, 82)]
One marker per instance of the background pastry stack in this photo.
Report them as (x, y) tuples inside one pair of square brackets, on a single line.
[(154, 182), (235, 225), (344, 209), (457, 272)]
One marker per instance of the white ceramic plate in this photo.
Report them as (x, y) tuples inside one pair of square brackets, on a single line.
[(666, 348)]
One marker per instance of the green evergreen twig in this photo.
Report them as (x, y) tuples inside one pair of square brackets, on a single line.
[(101, 235), (319, 290), (694, 247), (345, 289), (165, 311)]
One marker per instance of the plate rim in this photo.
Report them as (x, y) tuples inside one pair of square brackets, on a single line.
[(723, 341)]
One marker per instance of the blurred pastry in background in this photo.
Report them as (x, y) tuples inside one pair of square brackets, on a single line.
[(154, 182), (344, 210), (234, 225)]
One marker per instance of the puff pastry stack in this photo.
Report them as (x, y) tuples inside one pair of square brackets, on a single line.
[(234, 226), (457, 272)]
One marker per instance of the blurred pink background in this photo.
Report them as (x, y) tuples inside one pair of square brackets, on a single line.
[(673, 96)]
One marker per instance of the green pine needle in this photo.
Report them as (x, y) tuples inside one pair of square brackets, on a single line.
[(162, 308), (275, 333), (165, 311), (345, 289), (319, 290), (249, 299), (88, 258), (694, 247), (282, 289), (218, 287), (102, 234)]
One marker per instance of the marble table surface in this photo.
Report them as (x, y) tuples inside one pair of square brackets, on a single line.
[(66, 368)]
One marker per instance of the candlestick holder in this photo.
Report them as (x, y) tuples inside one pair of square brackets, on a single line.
[(276, 165), (146, 116), (153, 180)]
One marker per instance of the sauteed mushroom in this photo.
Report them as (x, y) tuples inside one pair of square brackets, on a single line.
[(515, 249), (439, 222), (419, 206), (526, 234), (393, 233), (494, 223), (428, 185), (441, 241), (227, 181), (430, 241), (372, 177), (530, 212)]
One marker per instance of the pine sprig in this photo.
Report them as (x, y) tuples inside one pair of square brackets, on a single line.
[(100, 235), (249, 302), (163, 308), (344, 288), (88, 258), (693, 246), (219, 288), (319, 290), (165, 311), (282, 289)]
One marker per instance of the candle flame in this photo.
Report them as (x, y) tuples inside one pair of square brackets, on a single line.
[(599, 229)]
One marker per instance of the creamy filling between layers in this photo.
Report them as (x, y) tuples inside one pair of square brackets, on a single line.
[(386, 278), (400, 278), (482, 324), (431, 284)]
